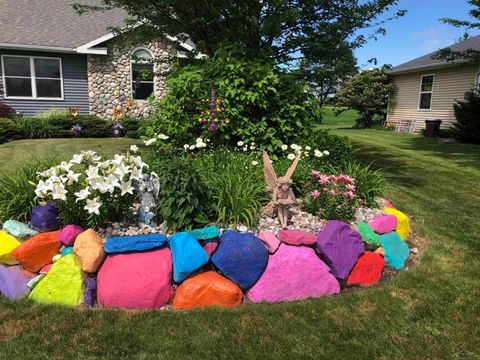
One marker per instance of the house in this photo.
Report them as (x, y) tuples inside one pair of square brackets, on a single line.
[(51, 57), (427, 88)]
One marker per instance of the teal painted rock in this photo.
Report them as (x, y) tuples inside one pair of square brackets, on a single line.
[(396, 250), (67, 250), (187, 254), (62, 285), (369, 236), (207, 233), (18, 229)]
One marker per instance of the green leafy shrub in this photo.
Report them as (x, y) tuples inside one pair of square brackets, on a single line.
[(467, 113), (52, 114), (131, 127), (9, 130), (32, 127), (340, 149), (92, 127)]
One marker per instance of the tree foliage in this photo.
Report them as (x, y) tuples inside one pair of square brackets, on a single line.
[(467, 112)]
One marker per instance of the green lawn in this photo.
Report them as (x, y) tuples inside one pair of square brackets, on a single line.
[(429, 311)]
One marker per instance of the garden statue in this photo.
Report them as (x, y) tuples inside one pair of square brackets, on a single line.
[(149, 188), (282, 194)]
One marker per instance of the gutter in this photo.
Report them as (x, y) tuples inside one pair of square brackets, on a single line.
[(427, 67), (37, 48)]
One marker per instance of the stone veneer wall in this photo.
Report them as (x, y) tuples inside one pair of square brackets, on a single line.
[(110, 76)]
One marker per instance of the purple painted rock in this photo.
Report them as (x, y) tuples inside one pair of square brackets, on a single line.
[(45, 217), (297, 237), (340, 247), (91, 292), (293, 273), (13, 282), (270, 240), (384, 224), (141, 280), (68, 234), (210, 246)]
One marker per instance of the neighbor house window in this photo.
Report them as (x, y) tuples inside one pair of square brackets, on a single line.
[(426, 92), (32, 77), (142, 74)]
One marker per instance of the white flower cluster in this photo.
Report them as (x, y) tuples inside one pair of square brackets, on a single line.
[(199, 144), (99, 179), (245, 147), (156, 137), (306, 151)]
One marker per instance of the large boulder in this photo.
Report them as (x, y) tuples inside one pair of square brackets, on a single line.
[(7, 245), (188, 255), (340, 247), (297, 237), (369, 236), (293, 273), (396, 250), (38, 251), (242, 257), (383, 224), (368, 270), (207, 289), (270, 240), (140, 280), (68, 234), (18, 229), (403, 227), (89, 249), (207, 233), (45, 217), (122, 244), (13, 282), (62, 285)]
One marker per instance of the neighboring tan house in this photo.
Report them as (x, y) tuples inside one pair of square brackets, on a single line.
[(427, 88), (51, 57)]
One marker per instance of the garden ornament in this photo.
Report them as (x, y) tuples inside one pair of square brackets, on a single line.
[(282, 194), (149, 188)]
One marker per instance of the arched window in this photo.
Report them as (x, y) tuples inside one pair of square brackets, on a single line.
[(142, 74)]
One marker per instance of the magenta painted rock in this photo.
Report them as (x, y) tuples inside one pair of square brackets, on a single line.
[(139, 280), (340, 247), (270, 240), (384, 224), (69, 233), (297, 237), (293, 273), (210, 246), (13, 282)]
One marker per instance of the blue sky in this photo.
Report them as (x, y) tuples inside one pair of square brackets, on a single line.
[(417, 33)]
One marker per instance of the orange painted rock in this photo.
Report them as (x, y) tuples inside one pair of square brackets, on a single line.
[(207, 289), (89, 249), (38, 251)]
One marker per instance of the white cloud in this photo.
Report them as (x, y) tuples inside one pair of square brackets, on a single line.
[(433, 38)]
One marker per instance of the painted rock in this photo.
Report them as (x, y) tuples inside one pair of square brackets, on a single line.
[(46, 269), (207, 233), (380, 251), (18, 229), (369, 236), (122, 244), (188, 255), (90, 292), (368, 270), (207, 289), (340, 247), (69, 233), (297, 237), (383, 224), (396, 250), (66, 251), (241, 257), (62, 285), (7, 245), (38, 251), (293, 273), (387, 204), (140, 280), (270, 240), (89, 249), (13, 282), (210, 246), (35, 280), (45, 217), (403, 227)]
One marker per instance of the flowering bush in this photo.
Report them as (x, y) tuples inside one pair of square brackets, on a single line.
[(213, 116), (92, 191)]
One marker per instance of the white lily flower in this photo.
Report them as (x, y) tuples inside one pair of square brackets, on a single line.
[(42, 189), (326, 152), (59, 192), (318, 153), (308, 148), (186, 146), (83, 194), (134, 148), (150, 141), (136, 174), (126, 187), (192, 147), (163, 137), (77, 159), (93, 206)]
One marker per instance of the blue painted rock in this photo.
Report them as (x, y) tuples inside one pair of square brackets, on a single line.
[(207, 233), (69, 234), (340, 247), (67, 251), (242, 257), (45, 217), (18, 229), (122, 244), (384, 224), (13, 282), (293, 273), (188, 255), (396, 250)]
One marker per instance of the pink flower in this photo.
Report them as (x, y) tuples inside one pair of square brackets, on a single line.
[(332, 192), (315, 174), (315, 194), (350, 194), (332, 178), (324, 179), (350, 187)]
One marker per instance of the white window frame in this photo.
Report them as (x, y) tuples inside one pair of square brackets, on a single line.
[(131, 73), (425, 92), (33, 78)]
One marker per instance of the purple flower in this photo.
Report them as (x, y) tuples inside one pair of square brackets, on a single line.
[(214, 126), (121, 98), (76, 129), (117, 127), (202, 112)]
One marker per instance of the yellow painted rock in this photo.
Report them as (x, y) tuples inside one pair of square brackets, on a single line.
[(403, 227), (7, 244)]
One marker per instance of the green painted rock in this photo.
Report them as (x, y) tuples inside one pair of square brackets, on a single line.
[(63, 284), (207, 233), (369, 236), (18, 229)]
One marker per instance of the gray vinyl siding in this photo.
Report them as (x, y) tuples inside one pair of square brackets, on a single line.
[(75, 85)]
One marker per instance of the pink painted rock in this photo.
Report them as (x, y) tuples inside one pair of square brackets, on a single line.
[(89, 249), (387, 204), (368, 270), (46, 269), (293, 273), (141, 280), (68, 234), (210, 246), (297, 237), (384, 224), (270, 240)]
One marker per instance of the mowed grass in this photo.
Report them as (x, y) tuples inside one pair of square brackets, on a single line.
[(429, 311)]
